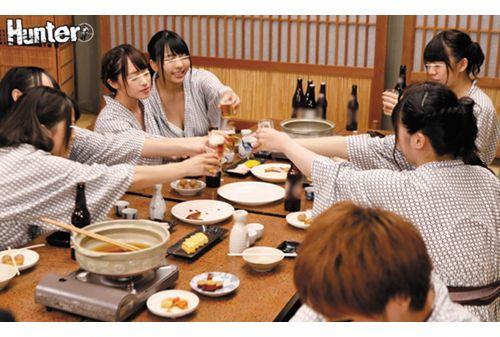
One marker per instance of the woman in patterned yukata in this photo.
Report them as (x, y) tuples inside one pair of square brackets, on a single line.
[(450, 196), (351, 268), (187, 100), (451, 58), (124, 71), (91, 147), (37, 180)]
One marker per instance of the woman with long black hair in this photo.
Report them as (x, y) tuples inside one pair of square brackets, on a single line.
[(37, 180), (450, 196), (186, 99)]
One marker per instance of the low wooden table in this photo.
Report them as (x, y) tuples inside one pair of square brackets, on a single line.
[(260, 297)]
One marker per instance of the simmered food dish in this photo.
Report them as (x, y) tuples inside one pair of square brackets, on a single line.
[(209, 284), (18, 258), (108, 248), (303, 218), (194, 242), (171, 303), (189, 184)]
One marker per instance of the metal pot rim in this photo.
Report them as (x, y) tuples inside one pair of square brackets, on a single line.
[(90, 253), (285, 127)]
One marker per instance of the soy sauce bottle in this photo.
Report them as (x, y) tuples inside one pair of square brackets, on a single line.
[(401, 85), (293, 188), (81, 215)]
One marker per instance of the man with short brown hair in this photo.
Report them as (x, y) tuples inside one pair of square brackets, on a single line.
[(365, 264)]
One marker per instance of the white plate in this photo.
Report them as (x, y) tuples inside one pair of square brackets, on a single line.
[(212, 211), (252, 193), (30, 258), (274, 177), (293, 221), (230, 283), (154, 303)]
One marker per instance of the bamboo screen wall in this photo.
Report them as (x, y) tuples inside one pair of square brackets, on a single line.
[(57, 60), (260, 57), (484, 29)]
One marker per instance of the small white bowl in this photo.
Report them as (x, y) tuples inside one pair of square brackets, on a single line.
[(7, 273), (259, 228), (252, 236), (187, 191), (263, 263)]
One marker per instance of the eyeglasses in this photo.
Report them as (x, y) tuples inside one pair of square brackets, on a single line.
[(135, 78), (434, 65), (176, 59)]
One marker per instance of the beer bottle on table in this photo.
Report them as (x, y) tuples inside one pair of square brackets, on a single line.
[(293, 189), (352, 110), (401, 85), (322, 103), (298, 98), (81, 215), (310, 102)]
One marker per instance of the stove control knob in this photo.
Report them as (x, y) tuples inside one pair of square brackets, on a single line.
[(82, 276)]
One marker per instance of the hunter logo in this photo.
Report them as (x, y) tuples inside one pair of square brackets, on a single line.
[(20, 36)]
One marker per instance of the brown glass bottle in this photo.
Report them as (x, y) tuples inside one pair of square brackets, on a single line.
[(352, 110), (298, 98), (213, 181), (401, 85), (293, 188), (322, 103), (81, 215)]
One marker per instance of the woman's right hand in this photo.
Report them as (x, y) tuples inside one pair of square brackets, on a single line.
[(202, 164), (389, 101)]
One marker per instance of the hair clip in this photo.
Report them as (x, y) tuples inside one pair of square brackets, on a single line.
[(423, 99)]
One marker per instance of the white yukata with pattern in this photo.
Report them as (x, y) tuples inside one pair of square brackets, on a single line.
[(375, 152), (35, 184), (443, 310), (202, 93), (455, 207), (116, 119)]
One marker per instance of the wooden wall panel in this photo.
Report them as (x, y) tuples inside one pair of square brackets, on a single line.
[(268, 94), (58, 61), (276, 49)]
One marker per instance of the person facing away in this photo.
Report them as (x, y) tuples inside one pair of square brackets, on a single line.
[(38, 180), (366, 264), (450, 196)]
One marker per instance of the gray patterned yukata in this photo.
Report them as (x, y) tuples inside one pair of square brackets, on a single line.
[(374, 152), (116, 119), (444, 310), (202, 93), (35, 184), (456, 208)]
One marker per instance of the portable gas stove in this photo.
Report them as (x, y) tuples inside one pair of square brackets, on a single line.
[(100, 297)]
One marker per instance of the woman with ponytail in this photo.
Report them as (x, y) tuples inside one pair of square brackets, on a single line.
[(449, 196), (452, 59)]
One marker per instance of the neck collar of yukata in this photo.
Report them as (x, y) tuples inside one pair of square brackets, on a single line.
[(473, 88), (442, 163), (111, 99)]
